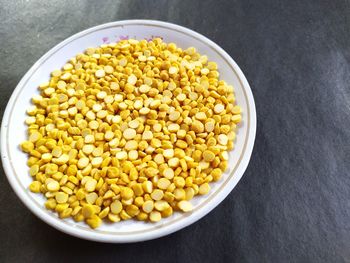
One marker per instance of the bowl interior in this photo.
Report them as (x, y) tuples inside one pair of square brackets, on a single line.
[(131, 230)]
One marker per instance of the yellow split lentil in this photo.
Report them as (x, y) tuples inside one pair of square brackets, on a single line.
[(133, 129)]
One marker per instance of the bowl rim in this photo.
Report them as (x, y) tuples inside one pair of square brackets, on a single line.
[(161, 231)]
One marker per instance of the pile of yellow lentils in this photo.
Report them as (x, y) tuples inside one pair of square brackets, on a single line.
[(133, 129)]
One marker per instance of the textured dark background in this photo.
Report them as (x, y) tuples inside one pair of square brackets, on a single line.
[(293, 203)]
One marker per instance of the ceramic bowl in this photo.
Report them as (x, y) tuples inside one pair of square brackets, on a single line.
[(13, 129)]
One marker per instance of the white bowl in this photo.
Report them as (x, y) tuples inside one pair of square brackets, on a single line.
[(13, 129)]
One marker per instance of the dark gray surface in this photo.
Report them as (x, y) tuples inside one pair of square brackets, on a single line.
[(293, 203)]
